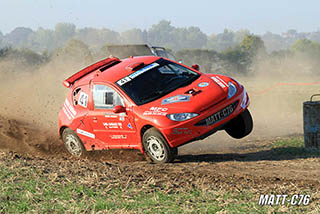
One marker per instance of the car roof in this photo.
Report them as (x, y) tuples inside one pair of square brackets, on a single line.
[(115, 72)]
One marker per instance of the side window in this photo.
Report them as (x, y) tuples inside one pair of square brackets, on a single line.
[(76, 96), (80, 97), (105, 97)]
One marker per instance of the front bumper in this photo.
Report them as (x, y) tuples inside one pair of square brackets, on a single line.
[(190, 130)]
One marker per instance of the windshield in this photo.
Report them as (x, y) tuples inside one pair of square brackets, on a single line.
[(156, 80)]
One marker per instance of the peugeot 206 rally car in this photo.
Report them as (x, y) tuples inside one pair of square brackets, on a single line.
[(149, 103)]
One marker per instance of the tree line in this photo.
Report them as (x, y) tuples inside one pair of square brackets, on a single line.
[(229, 51), (160, 34)]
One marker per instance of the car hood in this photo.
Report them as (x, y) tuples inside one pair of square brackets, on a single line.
[(200, 95)]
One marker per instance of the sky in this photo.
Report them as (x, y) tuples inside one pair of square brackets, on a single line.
[(210, 16)]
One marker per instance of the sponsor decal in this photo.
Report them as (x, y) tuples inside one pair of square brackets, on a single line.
[(244, 99), (85, 133), (137, 73), (180, 131), (159, 111), (66, 113), (203, 84), (113, 125), (121, 116), (223, 82), (193, 91), (71, 108), (130, 126), (110, 116), (83, 99), (219, 82), (123, 81), (118, 137), (68, 110), (176, 99)]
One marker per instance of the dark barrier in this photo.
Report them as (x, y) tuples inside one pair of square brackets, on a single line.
[(311, 123)]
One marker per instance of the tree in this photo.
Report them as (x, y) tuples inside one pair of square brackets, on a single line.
[(306, 46), (5, 51), (315, 36), (237, 60), (75, 50), (204, 58), (96, 38), (309, 51), (274, 42), (164, 34), (222, 41), (63, 32), (134, 36), (239, 36), (195, 38), (160, 34), (42, 40), (1, 40), (19, 36), (253, 45)]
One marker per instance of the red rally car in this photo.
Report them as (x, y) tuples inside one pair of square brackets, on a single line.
[(149, 103)]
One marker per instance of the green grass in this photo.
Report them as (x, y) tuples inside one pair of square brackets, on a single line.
[(24, 190), (294, 147)]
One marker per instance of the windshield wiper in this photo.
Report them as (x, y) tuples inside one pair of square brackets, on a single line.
[(151, 96), (167, 90), (185, 83)]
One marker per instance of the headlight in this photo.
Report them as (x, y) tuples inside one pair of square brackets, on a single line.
[(232, 90), (181, 116)]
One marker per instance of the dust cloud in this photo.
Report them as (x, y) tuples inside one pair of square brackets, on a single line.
[(31, 97), (34, 93)]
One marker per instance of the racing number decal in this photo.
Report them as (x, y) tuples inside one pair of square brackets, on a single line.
[(83, 99), (124, 81)]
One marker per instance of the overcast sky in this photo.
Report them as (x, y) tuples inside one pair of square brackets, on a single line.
[(211, 16)]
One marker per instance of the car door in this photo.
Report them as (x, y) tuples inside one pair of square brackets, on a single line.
[(115, 130)]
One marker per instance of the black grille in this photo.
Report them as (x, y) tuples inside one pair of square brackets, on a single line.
[(218, 116)]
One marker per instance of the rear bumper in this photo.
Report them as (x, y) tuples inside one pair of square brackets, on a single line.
[(186, 132)]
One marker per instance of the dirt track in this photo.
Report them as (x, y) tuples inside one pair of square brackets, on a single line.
[(251, 165)]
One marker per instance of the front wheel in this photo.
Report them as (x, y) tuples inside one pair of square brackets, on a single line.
[(157, 148), (240, 126)]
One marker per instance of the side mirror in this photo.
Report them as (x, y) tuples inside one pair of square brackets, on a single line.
[(196, 67), (119, 109)]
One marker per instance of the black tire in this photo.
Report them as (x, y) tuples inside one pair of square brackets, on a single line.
[(73, 144), (174, 153), (157, 148), (240, 126)]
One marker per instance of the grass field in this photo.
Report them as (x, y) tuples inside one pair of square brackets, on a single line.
[(27, 188)]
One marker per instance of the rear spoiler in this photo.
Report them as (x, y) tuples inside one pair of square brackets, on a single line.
[(108, 62)]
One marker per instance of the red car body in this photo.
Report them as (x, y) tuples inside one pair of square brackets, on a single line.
[(108, 129)]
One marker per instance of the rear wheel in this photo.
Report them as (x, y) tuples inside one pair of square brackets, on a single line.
[(240, 126), (157, 148), (73, 143)]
